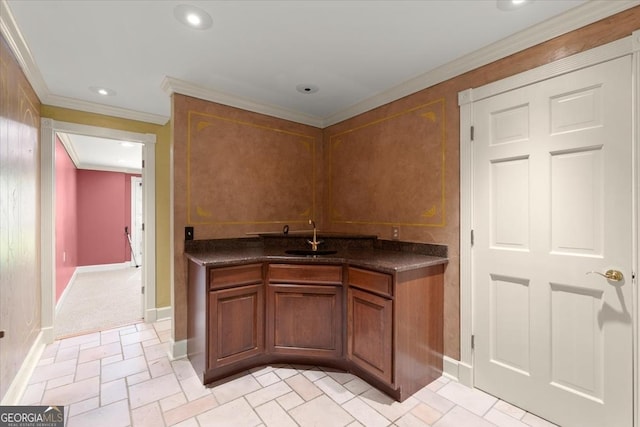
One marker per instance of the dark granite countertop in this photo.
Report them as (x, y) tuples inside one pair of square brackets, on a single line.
[(370, 253)]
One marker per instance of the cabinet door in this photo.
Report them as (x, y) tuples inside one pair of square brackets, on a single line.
[(305, 320), (370, 333), (236, 324)]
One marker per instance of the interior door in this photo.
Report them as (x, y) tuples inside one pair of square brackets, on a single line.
[(552, 202)]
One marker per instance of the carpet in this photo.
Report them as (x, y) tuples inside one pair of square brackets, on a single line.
[(100, 300)]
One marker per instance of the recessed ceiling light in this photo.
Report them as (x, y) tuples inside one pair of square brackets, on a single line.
[(508, 5), (103, 91), (192, 16), (307, 88)]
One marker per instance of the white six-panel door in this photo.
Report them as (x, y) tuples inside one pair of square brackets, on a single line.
[(552, 202)]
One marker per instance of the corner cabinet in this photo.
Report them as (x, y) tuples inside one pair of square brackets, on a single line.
[(386, 328), (395, 325)]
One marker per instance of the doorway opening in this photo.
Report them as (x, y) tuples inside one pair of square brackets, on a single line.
[(98, 206), (113, 256)]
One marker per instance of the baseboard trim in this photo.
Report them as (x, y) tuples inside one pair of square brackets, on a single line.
[(72, 280), (458, 371), (178, 349), (450, 368), (163, 313), (103, 267), (19, 384)]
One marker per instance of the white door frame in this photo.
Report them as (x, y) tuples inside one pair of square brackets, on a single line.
[(463, 370), (49, 127), (136, 237)]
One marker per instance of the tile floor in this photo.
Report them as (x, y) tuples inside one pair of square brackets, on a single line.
[(123, 377)]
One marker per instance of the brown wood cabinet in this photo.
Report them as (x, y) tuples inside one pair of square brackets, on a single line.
[(395, 327), (386, 328), (304, 310)]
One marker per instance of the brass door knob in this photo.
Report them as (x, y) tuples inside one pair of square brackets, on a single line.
[(613, 275)]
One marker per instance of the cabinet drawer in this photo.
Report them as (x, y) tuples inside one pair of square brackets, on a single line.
[(233, 276), (290, 273), (379, 283)]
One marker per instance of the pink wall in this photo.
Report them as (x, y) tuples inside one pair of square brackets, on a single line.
[(66, 219), (104, 210), (92, 210)]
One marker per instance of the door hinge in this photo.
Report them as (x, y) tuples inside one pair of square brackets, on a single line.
[(473, 342), (143, 226), (143, 290), (143, 163), (472, 238), (472, 132), (1, 334)]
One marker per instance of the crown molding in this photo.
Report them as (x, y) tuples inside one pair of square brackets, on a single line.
[(172, 85), (20, 49), (571, 20), (17, 44), (92, 107), (588, 13), (70, 148)]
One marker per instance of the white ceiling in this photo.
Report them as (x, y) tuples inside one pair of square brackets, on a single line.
[(360, 53), (89, 152)]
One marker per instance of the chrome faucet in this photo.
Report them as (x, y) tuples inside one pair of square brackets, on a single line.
[(315, 242)]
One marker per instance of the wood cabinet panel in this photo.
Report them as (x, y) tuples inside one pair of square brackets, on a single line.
[(235, 276), (316, 274), (305, 319), (370, 333), (236, 324), (373, 281)]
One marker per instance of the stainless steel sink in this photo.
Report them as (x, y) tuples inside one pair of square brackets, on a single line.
[(309, 252)]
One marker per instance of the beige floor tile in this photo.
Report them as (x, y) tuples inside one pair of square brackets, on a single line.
[(109, 336), (194, 389), (190, 410), (114, 415), (305, 388), (83, 406), (285, 372), (410, 420), (460, 417), (33, 394), (334, 390), (80, 339), (162, 325), (152, 390), (321, 411), (502, 420), (138, 336), (388, 407), (67, 353), (72, 393), (160, 367), (138, 378), (260, 397), (273, 415), (509, 409), (54, 370), (147, 416), (172, 401), (123, 368), (290, 400), (156, 351), (100, 352), (267, 379), (183, 369), (112, 359), (535, 421), (88, 370), (113, 391), (426, 413), (357, 386), (57, 382), (132, 350), (474, 400), (235, 388), (236, 413), (365, 414), (433, 399), (191, 422)]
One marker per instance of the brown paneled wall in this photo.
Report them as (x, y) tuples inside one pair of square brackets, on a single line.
[(19, 217), (397, 165)]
